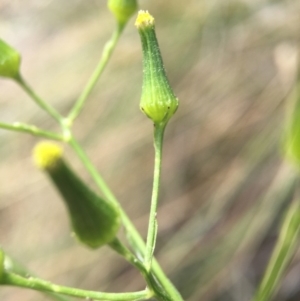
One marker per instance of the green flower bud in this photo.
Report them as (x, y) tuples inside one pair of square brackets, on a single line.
[(122, 9), (10, 61), (158, 101), (95, 222)]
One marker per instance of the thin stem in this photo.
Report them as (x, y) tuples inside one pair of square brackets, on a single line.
[(153, 285), (133, 235), (15, 267), (106, 54), (92, 170), (42, 285), (152, 227), (117, 246), (30, 129), (164, 281), (38, 100)]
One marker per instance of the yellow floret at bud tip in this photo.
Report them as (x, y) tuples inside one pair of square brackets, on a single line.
[(47, 154), (144, 19)]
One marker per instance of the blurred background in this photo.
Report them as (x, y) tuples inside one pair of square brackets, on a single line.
[(225, 185)]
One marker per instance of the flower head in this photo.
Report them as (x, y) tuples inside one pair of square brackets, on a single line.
[(158, 100), (95, 222)]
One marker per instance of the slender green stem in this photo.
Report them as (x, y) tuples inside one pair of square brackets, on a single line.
[(152, 227), (106, 54), (153, 285), (42, 285), (92, 170), (164, 281), (39, 101), (57, 297), (15, 267), (117, 246), (133, 235), (30, 129)]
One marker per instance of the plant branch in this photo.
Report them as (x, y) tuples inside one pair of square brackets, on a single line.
[(152, 227), (38, 100), (92, 170), (42, 285), (153, 285), (118, 247), (106, 54), (30, 129), (155, 277), (133, 235), (12, 266)]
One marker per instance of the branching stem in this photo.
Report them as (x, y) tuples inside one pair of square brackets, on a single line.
[(46, 286), (30, 129), (156, 279), (133, 235)]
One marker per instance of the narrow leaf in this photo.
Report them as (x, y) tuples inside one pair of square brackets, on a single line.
[(284, 250)]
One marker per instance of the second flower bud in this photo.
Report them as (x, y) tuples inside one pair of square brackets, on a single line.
[(158, 100)]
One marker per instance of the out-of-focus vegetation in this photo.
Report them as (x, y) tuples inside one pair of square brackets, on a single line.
[(232, 64)]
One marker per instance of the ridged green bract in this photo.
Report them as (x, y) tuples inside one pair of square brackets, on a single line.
[(1, 264), (10, 61), (95, 222), (122, 9), (158, 100)]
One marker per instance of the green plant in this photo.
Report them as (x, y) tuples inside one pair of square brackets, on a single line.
[(159, 104), (96, 221)]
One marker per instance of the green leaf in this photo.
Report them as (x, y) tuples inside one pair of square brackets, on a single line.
[(292, 133), (284, 250)]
